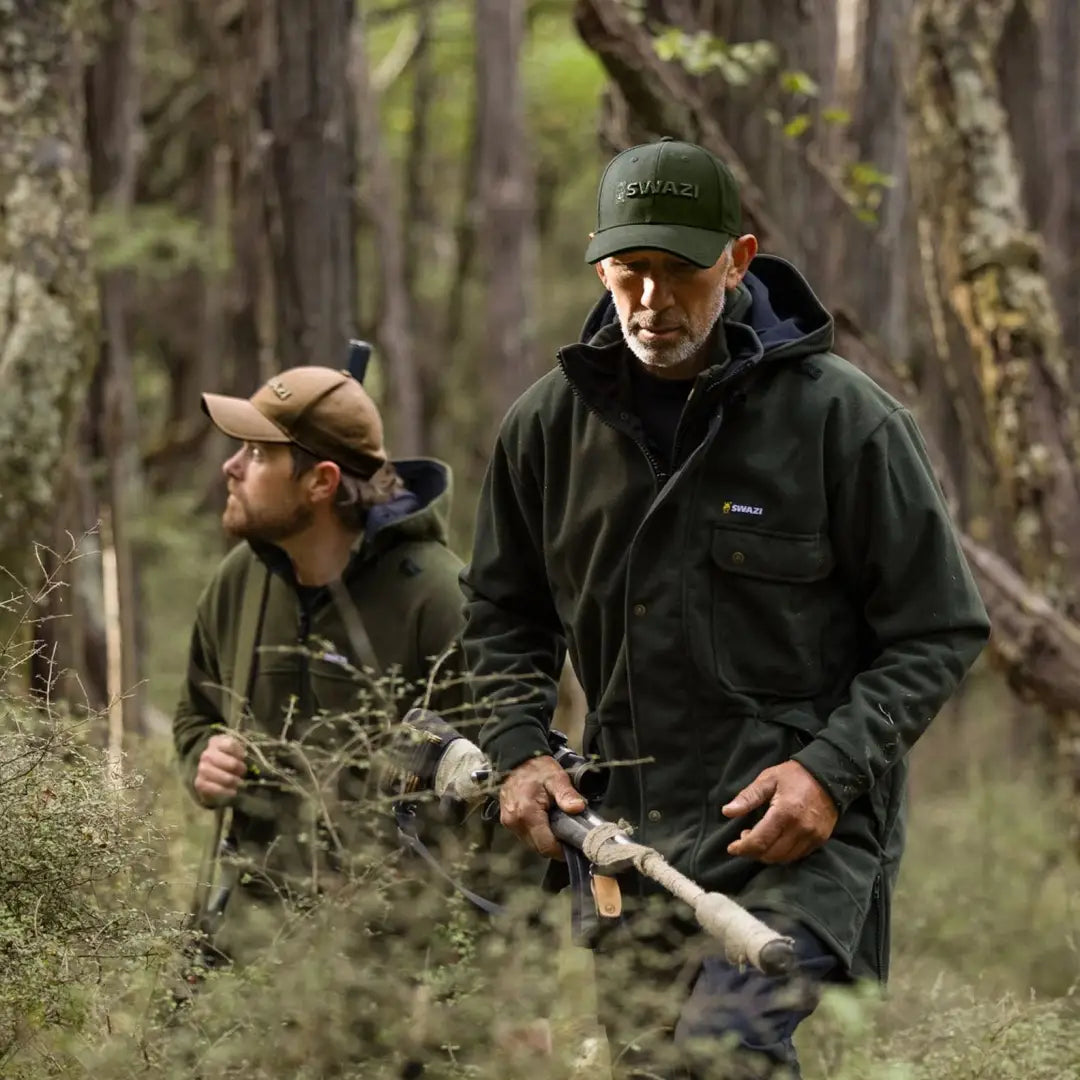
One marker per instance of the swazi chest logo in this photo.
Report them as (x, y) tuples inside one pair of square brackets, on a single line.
[(743, 508), (640, 189)]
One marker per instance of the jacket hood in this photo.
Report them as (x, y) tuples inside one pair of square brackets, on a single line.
[(421, 512), (773, 303)]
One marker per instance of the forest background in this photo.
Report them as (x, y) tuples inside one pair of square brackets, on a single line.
[(194, 195)]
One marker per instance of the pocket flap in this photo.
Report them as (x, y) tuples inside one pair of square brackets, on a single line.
[(792, 557)]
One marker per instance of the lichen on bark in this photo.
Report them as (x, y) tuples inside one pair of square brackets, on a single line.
[(47, 296), (987, 261)]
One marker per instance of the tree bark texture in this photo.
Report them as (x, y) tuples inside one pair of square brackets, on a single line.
[(47, 295), (987, 262), (397, 326), (308, 117), (504, 198), (113, 95), (1061, 222)]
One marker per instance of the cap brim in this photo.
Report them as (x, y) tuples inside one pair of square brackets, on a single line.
[(240, 419), (700, 246)]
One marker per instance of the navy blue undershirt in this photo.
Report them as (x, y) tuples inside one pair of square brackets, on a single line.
[(659, 406)]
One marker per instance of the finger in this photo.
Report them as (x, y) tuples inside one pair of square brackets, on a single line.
[(761, 837), (531, 828), (226, 744), (543, 840), (755, 794), (211, 794), (790, 846), (210, 774), (566, 796), (224, 762)]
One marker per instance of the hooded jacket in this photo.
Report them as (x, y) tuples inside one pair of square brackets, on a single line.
[(308, 681), (791, 587)]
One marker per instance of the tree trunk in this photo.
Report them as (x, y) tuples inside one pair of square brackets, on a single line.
[(1061, 222), (307, 114), (47, 296), (397, 324), (504, 198), (112, 86), (970, 197), (986, 260)]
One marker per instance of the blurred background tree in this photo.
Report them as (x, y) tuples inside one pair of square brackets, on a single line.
[(196, 194)]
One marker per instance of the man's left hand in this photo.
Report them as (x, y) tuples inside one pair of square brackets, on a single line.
[(800, 818)]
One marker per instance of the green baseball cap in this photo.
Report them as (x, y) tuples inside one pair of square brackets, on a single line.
[(674, 196)]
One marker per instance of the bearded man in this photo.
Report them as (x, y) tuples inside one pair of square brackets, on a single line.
[(317, 631)]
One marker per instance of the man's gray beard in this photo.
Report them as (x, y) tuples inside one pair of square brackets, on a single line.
[(666, 356)]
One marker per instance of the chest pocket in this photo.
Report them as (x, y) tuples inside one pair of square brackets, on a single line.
[(771, 604)]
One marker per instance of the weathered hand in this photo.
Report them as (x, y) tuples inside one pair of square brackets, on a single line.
[(800, 818), (525, 797), (220, 770)]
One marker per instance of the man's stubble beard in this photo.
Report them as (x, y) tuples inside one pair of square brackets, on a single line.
[(268, 526), (678, 352)]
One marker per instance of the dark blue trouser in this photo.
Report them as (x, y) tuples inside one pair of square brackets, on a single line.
[(672, 1016)]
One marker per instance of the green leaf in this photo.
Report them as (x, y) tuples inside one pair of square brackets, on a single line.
[(837, 116), (798, 82), (797, 125)]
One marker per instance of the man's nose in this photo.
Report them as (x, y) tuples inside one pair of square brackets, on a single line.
[(233, 466), (655, 294)]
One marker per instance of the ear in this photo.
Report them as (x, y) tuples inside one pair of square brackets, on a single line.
[(601, 274), (742, 254), (322, 481)]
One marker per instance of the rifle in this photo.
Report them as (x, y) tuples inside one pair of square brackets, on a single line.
[(430, 755)]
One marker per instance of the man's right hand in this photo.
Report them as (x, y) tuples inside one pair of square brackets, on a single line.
[(221, 768), (525, 797)]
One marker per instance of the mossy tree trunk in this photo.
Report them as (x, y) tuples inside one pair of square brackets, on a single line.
[(47, 294), (987, 263)]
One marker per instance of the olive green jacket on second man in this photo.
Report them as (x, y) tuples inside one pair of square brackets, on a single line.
[(309, 694), (790, 587)]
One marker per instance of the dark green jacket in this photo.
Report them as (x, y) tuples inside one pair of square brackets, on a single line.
[(403, 581), (793, 589)]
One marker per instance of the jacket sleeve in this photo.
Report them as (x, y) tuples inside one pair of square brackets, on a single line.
[(438, 649), (896, 548), (198, 713), (513, 639)]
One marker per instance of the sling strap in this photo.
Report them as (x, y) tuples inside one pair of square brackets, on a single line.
[(252, 612)]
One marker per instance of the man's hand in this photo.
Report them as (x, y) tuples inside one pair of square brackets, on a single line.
[(525, 797), (221, 768), (800, 818)]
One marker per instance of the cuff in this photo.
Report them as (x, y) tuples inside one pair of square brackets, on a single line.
[(511, 747), (834, 771)]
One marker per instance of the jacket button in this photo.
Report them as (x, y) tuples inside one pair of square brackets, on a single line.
[(738, 558), (639, 609), (655, 815)]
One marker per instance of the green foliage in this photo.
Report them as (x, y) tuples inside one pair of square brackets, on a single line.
[(799, 84), (865, 185), (70, 838), (700, 53), (157, 241)]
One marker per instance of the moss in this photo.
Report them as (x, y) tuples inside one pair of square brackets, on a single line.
[(47, 295)]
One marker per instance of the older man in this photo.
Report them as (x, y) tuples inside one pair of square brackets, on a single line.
[(739, 539)]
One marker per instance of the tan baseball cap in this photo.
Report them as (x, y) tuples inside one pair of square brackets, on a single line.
[(324, 411)]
